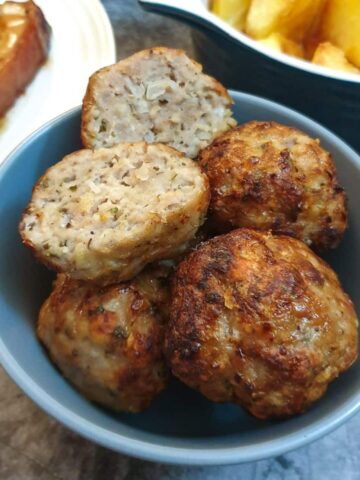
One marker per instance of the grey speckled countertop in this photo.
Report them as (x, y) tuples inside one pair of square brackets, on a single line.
[(33, 446)]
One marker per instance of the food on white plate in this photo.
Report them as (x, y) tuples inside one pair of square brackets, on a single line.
[(270, 176), (108, 341), (261, 321), (330, 56), (24, 44), (325, 32), (103, 215), (156, 95)]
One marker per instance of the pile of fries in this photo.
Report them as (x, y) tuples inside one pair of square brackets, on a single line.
[(325, 32)]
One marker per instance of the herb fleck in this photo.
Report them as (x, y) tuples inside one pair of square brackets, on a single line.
[(97, 310), (120, 332), (114, 211), (73, 188), (102, 126)]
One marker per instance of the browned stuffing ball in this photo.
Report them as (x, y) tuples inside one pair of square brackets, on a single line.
[(261, 321), (273, 177), (108, 341)]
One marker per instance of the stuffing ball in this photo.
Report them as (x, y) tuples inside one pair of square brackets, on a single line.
[(156, 95), (269, 176), (108, 341), (104, 215), (261, 321)]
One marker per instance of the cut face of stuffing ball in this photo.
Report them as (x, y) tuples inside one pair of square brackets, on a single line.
[(103, 215), (156, 95)]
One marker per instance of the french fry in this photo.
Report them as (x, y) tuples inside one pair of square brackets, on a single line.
[(232, 11), (295, 19), (279, 43), (330, 56), (341, 26)]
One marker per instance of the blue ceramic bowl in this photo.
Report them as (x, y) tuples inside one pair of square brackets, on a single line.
[(181, 426)]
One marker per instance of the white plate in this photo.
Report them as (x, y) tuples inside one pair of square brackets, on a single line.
[(82, 41)]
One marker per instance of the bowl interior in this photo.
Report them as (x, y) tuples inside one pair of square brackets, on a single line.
[(179, 418)]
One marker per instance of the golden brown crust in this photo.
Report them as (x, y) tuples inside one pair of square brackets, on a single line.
[(23, 59), (108, 341), (269, 176), (259, 320)]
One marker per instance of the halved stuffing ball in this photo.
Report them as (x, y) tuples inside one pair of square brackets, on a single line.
[(108, 341), (266, 175), (156, 95), (261, 321), (104, 215)]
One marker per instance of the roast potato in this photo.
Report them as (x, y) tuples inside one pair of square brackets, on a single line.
[(341, 26), (328, 55), (293, 18), (276, 41), (232, 11), (325, 32)]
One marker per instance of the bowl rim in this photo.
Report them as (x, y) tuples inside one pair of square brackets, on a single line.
[(196, 11), (162, 453)]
